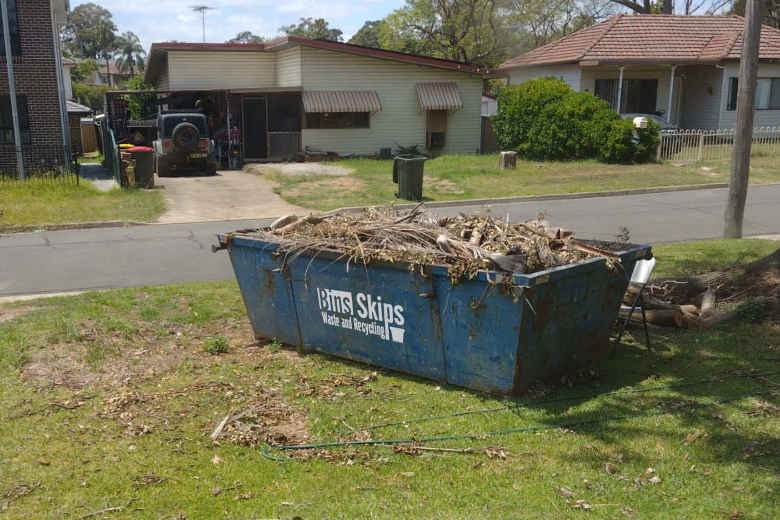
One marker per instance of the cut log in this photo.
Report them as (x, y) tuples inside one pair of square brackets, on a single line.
[(707, 303), (762, 264), (283, 221), (309, 218), (507, 161), (660, 317)]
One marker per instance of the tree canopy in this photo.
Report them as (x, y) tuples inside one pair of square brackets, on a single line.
[(314, 29), (369, 35), (90, 32), (130, 53), (246, 37)]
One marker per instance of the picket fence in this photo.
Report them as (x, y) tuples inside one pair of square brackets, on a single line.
[(714, 145)]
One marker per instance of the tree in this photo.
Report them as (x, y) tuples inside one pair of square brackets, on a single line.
[(648, 6), (770, 12), (687, 7), (90, 31), (246, 37), (463, 30), (82, 69), (140, 106), (535, 23), (369, 35), (130, 53), (313, 29)]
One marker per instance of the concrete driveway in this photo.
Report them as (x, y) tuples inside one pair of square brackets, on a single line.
[(229, 195)]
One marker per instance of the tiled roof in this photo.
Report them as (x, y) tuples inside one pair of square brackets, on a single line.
[(653, 38)]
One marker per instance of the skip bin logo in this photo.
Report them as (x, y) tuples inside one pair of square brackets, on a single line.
[(361, 312)]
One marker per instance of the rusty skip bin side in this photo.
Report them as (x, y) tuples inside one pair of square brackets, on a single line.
[(476, 334)]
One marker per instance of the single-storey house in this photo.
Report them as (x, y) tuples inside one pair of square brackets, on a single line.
[(34, 27), (291, 94), (683, 68)]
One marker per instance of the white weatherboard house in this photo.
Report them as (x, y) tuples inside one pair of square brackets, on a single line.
[(290, 94), (682, 68)]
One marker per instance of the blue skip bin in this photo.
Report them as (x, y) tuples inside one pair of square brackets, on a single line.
[(477, 334)]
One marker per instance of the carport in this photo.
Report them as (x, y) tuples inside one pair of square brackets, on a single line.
[(247, 125)]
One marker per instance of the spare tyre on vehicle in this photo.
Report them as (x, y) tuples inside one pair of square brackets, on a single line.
[(186, 136)]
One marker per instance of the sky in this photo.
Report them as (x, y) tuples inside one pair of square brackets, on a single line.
[(165, 20)]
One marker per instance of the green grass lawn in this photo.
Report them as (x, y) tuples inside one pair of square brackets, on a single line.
[(91, 158), (107, 400), (458, 177), (36, 202)]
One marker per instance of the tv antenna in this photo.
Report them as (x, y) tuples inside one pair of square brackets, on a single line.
[(202, 9)]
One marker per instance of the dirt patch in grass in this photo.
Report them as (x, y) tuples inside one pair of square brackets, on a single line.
[(13, 313), (115, 359), (442, 185), (299, 169), (344, 185)]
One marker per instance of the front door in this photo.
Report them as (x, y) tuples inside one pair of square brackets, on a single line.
[(255, 128)]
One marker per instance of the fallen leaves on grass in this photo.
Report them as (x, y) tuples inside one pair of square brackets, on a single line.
[(147, 479), (693, 437), (20, 490), (326, 388)]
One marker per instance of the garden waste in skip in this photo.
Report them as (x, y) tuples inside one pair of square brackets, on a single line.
[(475, 301)]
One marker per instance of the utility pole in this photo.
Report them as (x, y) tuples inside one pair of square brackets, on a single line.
[(202, 9), (9, 63), (743, 129)]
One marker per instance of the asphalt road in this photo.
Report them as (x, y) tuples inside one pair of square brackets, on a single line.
[(60, 261)]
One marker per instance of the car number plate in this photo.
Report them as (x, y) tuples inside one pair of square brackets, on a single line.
[(197, 156)]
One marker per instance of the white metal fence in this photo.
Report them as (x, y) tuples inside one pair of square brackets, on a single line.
[(714, 145)]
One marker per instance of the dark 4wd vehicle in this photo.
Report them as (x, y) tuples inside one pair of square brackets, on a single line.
[(183, 144)]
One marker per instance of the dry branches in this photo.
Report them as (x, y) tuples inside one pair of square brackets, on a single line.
[(463, 244)]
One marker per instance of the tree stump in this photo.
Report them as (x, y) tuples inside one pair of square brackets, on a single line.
[(507, 161)]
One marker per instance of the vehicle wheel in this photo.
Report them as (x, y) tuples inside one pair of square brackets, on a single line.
[(162, 168)]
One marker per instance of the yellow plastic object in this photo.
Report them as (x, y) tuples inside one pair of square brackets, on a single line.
[(126, 145)]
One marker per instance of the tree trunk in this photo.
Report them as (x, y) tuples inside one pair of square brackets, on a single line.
[(743, 131)]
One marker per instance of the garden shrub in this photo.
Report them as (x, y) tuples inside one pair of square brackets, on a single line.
[(544, 119), (621, 146)]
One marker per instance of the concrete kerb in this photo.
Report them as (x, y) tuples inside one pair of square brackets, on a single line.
[(561, 196), (5, 230), (33, 228)]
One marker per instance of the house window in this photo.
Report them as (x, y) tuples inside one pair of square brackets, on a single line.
[(435, 129), (7, 123), (331, 120), (637, 96), (13, 25), (284, 113), (767, 94)]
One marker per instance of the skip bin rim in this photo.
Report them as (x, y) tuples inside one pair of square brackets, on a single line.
[(521, 280)]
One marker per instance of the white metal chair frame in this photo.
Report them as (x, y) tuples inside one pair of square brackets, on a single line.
[(643, 269)]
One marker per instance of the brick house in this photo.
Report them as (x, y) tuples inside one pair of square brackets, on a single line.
[(38, 75)]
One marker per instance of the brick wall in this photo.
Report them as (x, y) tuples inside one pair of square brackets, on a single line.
[(36, 77)]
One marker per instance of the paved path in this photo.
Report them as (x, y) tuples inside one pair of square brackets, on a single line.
[(225, 196), (102, 178), (146, 255)]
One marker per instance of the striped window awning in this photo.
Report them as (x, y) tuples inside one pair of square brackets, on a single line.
[(341, 101), (439, 96)]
